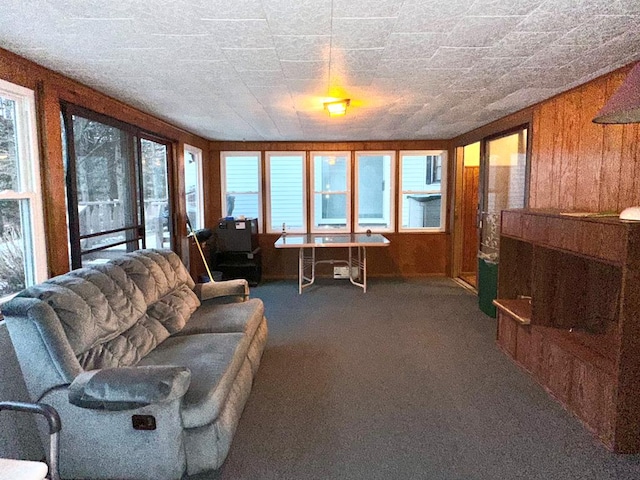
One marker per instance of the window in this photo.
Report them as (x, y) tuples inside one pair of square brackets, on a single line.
[(374, 191), (117, 187), (193, 186), (155, 193), (331, 184), (23, 256), (422, 190), (286, 192), (241, 181)]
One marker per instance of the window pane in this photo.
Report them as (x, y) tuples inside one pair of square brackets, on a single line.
[(9, 171), (287, 192), (421, 211), (192, 172), (102, 171), (331, 197), (103, 256), (16, 254), (330, 210), (242, 196), (22, 251), (155, 194), (421, 195), (374, 191), (330, 173)]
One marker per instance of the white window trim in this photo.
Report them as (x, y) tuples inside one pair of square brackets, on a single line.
[(442, 191), (223, 180), (392, 186), (197, 154), (314, 228), (268, 156), (30, 160)]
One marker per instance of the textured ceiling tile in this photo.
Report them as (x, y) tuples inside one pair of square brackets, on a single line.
[(453, 57), (526, 96), (96, 8), (523, 44), (353, 33), (551, 22), (430, 16), (303, 47), (600, 29), (252, 59), (413, 45), (356, 59), (629, 6), (582, 8), (401, 67), (298, 17), (245, 9), (481, 31), (240, 33), (305, 69), (269, 78), (553, 56), (365, 8), (500, 8)]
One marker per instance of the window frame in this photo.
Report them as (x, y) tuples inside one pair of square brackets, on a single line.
[(312, 191), (223, 180), (267, 174), (392, 189), (30, 188), (136, 232), (199, 222), (442, 190)]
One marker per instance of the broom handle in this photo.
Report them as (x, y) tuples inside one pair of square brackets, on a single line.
[(206, 265)]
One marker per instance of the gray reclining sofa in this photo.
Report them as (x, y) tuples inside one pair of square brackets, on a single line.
[(148, 371)]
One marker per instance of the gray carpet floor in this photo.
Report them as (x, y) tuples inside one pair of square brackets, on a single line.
[(402, 382)]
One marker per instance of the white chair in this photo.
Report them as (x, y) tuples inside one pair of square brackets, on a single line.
[(28, 470)]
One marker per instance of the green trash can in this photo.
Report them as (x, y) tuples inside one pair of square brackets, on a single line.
[(487, 285)]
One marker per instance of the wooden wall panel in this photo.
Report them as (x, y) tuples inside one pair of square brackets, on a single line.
[(611, 154), (568, 161), (468, 217), (544, 154), (578, 165), (630, 165)]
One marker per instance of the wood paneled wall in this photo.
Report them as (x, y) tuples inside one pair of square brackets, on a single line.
[(51, 88), (409, 255), (579, 165)]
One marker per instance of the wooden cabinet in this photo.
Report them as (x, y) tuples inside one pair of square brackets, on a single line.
[(569, 313)]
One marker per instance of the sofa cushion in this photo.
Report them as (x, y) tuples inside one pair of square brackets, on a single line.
[(155, 272), (214, 361), (96, 306), (212, 317), (127, 348), (175, 308)]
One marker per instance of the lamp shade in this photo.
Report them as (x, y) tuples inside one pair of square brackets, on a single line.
[(624, 105)]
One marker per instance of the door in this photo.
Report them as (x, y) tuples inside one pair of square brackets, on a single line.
[(504, 173)]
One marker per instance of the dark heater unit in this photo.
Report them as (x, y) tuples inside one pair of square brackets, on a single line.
[(237, 252), (237, 235)]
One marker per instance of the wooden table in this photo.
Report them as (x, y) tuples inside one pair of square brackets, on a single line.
[(308, 243)]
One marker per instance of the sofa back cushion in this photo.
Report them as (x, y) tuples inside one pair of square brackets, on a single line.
[(155, 272), (165, 283), (103, 315)]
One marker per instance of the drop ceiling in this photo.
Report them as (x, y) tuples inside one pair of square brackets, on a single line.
[(261, 69)]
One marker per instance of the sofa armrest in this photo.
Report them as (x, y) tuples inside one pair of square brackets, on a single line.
[(126, 388), (230, 288)]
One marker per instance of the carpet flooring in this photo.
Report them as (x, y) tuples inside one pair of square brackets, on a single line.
[(402, 382)]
